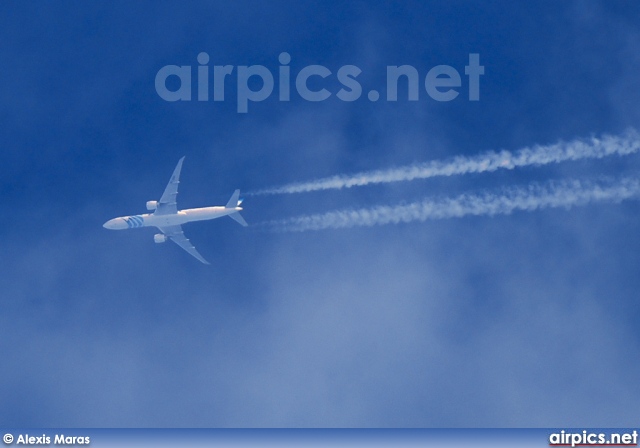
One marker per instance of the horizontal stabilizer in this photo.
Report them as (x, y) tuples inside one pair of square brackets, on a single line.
[(238, 218), (233, 202)]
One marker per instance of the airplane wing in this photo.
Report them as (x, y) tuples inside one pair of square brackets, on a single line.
[(167, 203), (176, 235)]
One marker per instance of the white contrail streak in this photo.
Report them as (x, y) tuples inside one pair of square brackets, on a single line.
[(594, 148), (529, 198)]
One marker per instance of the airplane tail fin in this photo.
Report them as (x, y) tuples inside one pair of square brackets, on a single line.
[(234, 202)]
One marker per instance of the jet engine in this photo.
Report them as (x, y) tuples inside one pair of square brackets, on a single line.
[(152, 205), (159, 238)]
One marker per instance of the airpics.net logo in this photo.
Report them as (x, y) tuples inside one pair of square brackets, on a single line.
[(255, 83), (587, 438)]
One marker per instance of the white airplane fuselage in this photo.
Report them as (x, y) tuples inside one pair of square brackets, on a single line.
[(174, 219)]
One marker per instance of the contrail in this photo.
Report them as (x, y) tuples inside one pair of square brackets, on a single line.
[(532, 197), (594, 148)]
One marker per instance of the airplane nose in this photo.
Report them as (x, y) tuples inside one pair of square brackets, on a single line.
[(115, 224)]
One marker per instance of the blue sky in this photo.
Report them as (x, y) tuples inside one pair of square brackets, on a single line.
[(527, 319)]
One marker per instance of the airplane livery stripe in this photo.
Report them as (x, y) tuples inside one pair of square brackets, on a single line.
[(134, 221)]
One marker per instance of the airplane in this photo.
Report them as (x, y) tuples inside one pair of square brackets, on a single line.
[(168, 219)]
